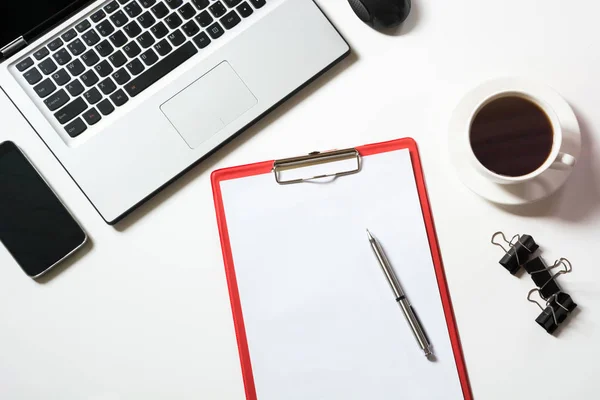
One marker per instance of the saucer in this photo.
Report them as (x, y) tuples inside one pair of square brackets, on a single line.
[(520, 193)]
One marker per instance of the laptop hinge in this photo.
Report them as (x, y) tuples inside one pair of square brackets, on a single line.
[(13, 47)]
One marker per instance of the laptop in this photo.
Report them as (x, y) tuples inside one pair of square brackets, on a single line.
[(129, 94)]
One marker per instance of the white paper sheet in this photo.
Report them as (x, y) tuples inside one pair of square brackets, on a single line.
[(321, 320)]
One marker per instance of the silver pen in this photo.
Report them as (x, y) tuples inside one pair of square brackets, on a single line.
[(407, 309)]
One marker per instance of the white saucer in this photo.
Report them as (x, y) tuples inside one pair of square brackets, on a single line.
[(521, 193)]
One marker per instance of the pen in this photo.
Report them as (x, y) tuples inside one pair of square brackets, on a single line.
[(407, 309)]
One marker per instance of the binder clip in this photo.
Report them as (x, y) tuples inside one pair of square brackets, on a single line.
[(558, 304), (556, 312), (541, 276), (520, 248)]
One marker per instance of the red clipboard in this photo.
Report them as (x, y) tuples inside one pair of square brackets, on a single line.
[(266, 167)]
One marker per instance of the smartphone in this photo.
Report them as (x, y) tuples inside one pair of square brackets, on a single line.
[(35, 226)]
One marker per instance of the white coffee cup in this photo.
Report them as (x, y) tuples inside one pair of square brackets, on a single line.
[(557, 159)]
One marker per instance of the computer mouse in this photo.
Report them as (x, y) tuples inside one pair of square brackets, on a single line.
[(381, 13)]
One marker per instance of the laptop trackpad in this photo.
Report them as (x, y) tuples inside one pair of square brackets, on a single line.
[(209, 104)]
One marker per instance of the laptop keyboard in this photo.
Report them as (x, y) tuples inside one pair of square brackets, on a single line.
[(122, 49)]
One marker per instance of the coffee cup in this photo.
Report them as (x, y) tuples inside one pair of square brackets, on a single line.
[(513, 137)]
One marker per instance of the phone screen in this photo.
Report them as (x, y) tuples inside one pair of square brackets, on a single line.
[(35, 227)]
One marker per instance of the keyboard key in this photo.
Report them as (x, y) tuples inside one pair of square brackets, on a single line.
[(163, 47), (103, 68), (75, 88), (215, 31), (149, 57), (132, 29), (217, 9), (92, 96), (90, 37), (69, 35), (47, 66), (176, 37), (232, 3), (257, 3), (57, 100), (70, 111), (187, 11), (77, 47), (160, 10), (162, 68), (119, 19), (190, 28), (104, 48), (91, 116), (24, 64), (132, 49), (119, 98), (173, 20), (83, 26), (135, 67), (159, 30), (146, 19), (204, 19), (245, 10), (75, 67), (174, 3), (32, 76), (123, 1), (44, 88), (90, 58), (76, 128), (41, 53), (201, 4), (117, 59), (105, 107), (89, 78), (202, 40), (55, 44), (121, 76), (61, 77), (147, 3), (62, 56), (133, 9), (97, 16), (118, 39), (230, 20), (111, 7), (107, 86), (145, 40), (105, 28)]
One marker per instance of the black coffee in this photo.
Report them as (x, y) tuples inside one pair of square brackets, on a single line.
[(511, 136)]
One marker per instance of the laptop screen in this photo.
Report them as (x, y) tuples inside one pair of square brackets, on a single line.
[(23, 16)]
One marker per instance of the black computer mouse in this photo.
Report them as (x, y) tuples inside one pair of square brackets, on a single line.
[(381, 13)]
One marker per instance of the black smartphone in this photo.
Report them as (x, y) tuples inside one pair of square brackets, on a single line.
[(35, 226)]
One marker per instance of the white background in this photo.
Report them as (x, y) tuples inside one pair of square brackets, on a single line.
[(143, 312)]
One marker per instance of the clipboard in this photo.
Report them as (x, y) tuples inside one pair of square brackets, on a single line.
[(295, 362)]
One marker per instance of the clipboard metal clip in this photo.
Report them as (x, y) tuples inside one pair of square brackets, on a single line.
[(316, 158)]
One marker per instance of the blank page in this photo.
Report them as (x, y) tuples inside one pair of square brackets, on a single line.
[(320, 317)]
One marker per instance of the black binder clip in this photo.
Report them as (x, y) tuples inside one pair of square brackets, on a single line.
[(556, 311), (558, 304), (520, 248), (541, 276)]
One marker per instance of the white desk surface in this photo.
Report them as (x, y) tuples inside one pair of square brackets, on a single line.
[(143, 312)]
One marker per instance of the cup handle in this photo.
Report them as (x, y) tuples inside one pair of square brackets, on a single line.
[(563, 161)]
